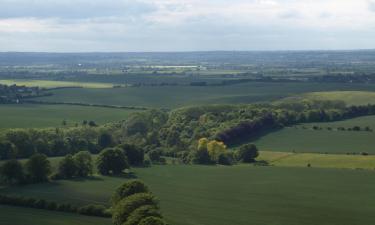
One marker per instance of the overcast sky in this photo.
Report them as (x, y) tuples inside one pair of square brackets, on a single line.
[(185, 25)]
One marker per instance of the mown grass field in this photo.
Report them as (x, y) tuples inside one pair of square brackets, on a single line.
[(55, 84), (36, 116), (21, 216), (240, 195), (177, 96)]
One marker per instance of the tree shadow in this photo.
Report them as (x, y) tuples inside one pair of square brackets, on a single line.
[(252, 138)]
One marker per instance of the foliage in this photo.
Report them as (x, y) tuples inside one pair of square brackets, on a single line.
[(127, 189), (247, 153), (38, 168), (11, 172), (134, 154), (83, 161), (141, 213), (112, 161), (67, 167), (152, 220)]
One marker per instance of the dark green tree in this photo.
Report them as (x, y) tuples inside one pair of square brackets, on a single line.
[(127, 189), (247, 153), (67, 167), (83, 161), (38, 168), (112, 161), (105, 140), (134, 154), (152, 220), (11, 172), (7, 150)]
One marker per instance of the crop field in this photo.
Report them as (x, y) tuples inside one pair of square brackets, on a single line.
[(55, 84), (222, 195), (22, 216), (36, 116), (177, 96)]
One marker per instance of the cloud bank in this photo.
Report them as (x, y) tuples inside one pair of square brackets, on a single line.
[(185, 25)]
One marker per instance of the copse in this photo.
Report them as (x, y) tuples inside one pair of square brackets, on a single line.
[(38, 168), (83, 161), (134, 154), (247, 153), (112, 161), (67, 167)]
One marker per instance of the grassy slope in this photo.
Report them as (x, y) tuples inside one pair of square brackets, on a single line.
[(176, 96), (32, 116), (54, 84), (22, 216), (205, 195)]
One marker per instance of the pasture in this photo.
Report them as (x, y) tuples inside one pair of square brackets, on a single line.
[(55, 84), (21, 216), (38, 116), (177, 96), (223, 195)]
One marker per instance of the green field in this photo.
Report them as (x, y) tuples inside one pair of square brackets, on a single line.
[(240, 195), (177, 96), (21, 216), (290, 159), (55, 84), (36, 116), (349, 97)]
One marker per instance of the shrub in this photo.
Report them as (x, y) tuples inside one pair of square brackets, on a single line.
[(126, 206), (127, 189), (93, 210), (151, 220), (142, 212)]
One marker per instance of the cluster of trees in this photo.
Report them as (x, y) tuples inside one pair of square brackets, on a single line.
[(90, 210), (215, 152), (354, 128), (134, 204), (14, 93), (77, 165)]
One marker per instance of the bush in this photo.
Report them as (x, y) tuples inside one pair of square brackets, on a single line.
[(247, 153), (127, 189), (151, 220), (93, 210), (126, 206), (141, 213)]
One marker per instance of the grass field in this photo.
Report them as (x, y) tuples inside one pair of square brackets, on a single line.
[(22, 216), (349, 97), (55, 84), (290, 159), (177, 96), (241, 195), (36, 116)]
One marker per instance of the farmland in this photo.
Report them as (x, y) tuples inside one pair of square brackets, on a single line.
[(54, 84), (36, 116), (302, 138), (265, 195)]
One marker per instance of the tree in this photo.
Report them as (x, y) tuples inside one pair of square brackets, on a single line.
[(224, 159), (67, 167), (112, 160), (12, 172), (134, 154), (247, 153), (38, 168), (141, 213), (105, 140), (152, 220), (83, 163), (201, 156), (215, 148), (125, 207), (127, 189), (154, 155), (7, 150)]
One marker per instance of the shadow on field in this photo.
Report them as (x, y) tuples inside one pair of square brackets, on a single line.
[(253, 138)]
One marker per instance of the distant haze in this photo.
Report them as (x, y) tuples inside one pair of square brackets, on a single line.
[(185, 25)]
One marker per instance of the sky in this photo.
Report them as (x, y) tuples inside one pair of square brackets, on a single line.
[(185, 25)]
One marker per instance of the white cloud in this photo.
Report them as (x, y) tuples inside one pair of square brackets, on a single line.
[(154, 25)]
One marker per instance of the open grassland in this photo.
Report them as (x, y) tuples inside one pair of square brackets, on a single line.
[(238, 195), (21, 216), (55, 84), (299, 140), (318, 160), (177, 96), (349, 97), (36, 116)]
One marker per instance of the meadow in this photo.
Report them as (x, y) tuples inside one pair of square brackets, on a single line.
[(223, 195), (55, 84), (37, 116), (177, 96), (22, 216)]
